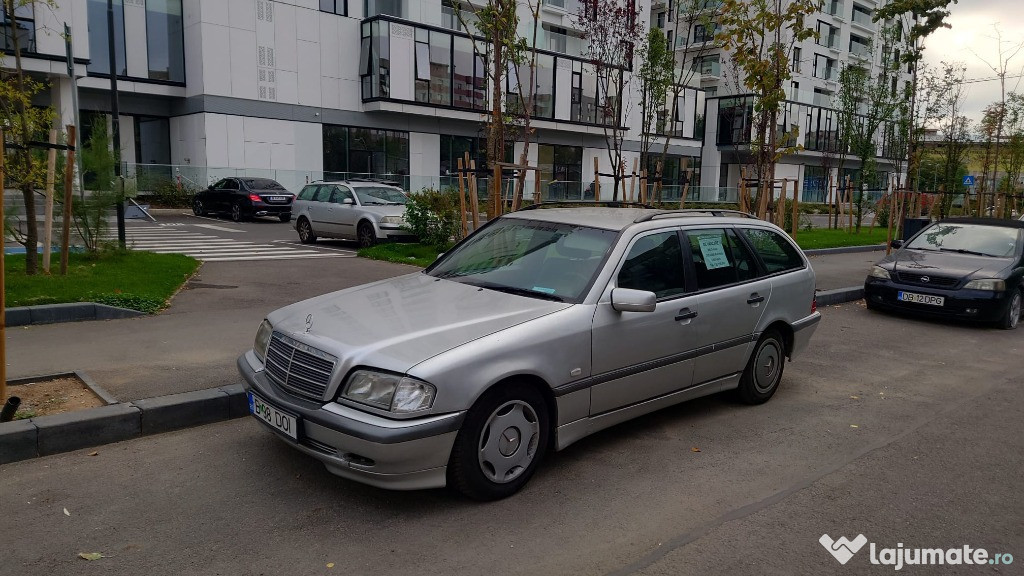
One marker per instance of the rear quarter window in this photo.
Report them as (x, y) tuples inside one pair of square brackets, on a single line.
[(307, 193), (776, 252)]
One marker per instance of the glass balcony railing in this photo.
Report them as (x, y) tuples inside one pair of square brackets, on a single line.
[(862, 18)]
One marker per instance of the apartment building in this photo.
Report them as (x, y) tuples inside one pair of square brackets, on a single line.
[(845, 36), (300, 90), (306, 89)]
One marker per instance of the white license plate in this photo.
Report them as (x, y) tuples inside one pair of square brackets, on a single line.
[(277, 198), (274, 418), (921, 298)]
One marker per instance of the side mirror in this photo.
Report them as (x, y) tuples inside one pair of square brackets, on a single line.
[(896, 243), (627, 300), (347, 202)]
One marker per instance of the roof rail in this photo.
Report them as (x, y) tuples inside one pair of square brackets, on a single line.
[(584, 203), (693, 212)]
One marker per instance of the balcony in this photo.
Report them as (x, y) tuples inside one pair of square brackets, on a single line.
[(568, 6), (708, 68), (822, 99), (858, 50), (862, 18)]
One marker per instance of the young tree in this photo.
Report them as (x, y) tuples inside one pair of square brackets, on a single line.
[(1013, 159), (656, 74), (869, 100), (761, 35), (23, 124), (613, 33)]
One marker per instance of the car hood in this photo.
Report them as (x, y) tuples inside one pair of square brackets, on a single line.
[(946, 264), (395, 324)]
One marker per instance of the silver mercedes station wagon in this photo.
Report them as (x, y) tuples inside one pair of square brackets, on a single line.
[(542, 327)]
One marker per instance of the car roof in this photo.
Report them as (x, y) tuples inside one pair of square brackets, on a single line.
[(1002, 222), (357, 184), (619, 219)]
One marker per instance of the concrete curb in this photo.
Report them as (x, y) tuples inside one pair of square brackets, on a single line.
[(844, 250), (91, 384), (73, 312), (23, 439), (839, 295)]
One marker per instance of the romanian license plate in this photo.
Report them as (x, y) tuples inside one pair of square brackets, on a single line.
[(920, 298), (273, 417), (277, 198)]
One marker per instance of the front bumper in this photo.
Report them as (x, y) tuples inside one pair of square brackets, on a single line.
[(981, 305), (394, 233), (394, 454)]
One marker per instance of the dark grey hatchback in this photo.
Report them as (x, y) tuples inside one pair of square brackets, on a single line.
[(963, 268)]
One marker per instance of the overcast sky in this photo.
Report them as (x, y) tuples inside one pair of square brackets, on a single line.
[(972, 36)]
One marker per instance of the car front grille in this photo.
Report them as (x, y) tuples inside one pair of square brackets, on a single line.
[(298, 368), (920, 280)]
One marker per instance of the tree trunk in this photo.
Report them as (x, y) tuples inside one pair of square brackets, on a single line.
[(27, 189)]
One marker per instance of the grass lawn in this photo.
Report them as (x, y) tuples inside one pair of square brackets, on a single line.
[(415, 254), (827, 238), (138, 280)]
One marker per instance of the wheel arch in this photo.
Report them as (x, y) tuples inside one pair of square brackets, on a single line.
[(542, 388), (786, 330)]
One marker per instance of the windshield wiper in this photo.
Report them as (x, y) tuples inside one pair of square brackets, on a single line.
[(517, 291), (962, 251)]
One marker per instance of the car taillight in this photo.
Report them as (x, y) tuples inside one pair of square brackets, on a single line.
[(814, 305), (255, 197)]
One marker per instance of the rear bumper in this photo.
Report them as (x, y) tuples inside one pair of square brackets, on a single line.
[(979, 305), (803, 329), (260, 209), (394, 454)]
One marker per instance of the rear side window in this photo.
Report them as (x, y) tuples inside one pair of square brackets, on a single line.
[(654, 264), (719, 258), (776, 252), (307, 193), (323, 194)]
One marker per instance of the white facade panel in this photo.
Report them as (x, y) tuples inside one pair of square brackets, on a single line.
[(309, 146), (135, 38), (309, 79), (217, 141), (243, 64), (216, 60), (241, 13), (235, 140), (402, 61)]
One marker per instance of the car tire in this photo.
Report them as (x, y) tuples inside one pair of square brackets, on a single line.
[(365, 234), (306, 234), (1012, 317), (198, 208), (502, 441), (237, 212), (764, 370), (284, 217)]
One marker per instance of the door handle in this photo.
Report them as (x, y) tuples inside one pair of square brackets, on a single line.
[(755, 298), (685, 314)]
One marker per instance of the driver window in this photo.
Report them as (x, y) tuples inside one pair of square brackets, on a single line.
[(340, 194), (230, 185), (654, 264)]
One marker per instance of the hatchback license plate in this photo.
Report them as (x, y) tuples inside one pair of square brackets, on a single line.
[(921, 298), (273, 417)]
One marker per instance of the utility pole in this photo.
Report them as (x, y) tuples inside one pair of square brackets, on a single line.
[(115, 119)]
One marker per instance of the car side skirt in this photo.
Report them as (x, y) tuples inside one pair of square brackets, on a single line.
[(568, 434)]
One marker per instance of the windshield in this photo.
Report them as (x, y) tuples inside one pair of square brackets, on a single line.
[(973, 239), (538, 259), (379, 196), (262, 184)]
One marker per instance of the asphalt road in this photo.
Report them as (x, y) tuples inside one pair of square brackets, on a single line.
[(903, 430)]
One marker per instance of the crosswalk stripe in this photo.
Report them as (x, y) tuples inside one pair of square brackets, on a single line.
[(277, 257), (232, 251), (210, 248)]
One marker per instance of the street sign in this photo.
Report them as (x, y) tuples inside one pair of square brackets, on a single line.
[(968, 180)]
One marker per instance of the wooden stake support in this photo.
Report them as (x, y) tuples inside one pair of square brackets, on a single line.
[(795, 217), (474, 199), (597, 182), (51, 167), (780, 205), (632, 179), (849, 196), (69, 179), (462, 199)]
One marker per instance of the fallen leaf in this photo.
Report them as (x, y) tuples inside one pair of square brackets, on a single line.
[(330, 564), (694, 449), (66, 513), (854, 426), (94, 453), (855, 397), (90, 555)]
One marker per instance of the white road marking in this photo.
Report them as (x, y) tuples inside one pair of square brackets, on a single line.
[(224, 228), (210, 248)]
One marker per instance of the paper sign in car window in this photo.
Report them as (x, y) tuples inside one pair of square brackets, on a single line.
[(713, 251)]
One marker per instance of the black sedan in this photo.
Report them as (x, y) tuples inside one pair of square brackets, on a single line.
[(964, 268), (244, 198)]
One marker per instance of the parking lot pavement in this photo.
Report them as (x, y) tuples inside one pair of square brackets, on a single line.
[(903, 430)]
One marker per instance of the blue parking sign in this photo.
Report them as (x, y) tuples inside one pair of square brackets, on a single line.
[(968, 180)]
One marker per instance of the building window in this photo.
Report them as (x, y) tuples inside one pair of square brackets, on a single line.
[(797, 63), (707, 65), (702, 33), (165, 40), (386, 7), (558, 39), (339, 7), (350, 151), (99, 62), (561, 168), (861, 15), (824, 67), (859, 46), (375, 59), (661, 19), (24, 25), (469, 79)]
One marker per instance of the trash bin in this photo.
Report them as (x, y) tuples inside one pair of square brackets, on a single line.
[(912, 226)]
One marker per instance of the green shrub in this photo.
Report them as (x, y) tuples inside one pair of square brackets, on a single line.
[(168, 194), (433, 216)]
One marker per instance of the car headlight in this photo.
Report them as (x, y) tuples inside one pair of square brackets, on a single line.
[(990, 284), (262, 341), (391, 392), (879, 272), (392, 220)]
